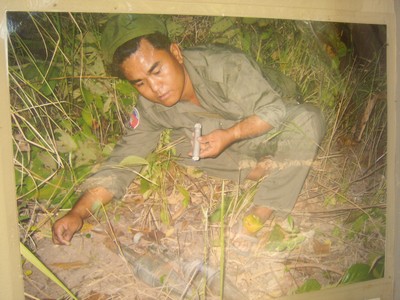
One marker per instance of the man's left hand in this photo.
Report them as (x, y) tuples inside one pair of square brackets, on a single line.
[(214, 143)]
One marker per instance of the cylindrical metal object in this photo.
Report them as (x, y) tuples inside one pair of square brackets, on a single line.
[(196, 144)]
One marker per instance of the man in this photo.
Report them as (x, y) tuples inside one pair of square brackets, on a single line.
[(244, 120)]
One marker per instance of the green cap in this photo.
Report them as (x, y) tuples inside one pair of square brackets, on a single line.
[(124, 27)]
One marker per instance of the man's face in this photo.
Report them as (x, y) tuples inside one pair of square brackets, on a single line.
[(158, 75)]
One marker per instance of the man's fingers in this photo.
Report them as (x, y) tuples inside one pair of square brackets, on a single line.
[(62, 235), (62, 242), (65, 238)]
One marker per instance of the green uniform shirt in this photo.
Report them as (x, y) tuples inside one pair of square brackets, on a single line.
[(230, 87)]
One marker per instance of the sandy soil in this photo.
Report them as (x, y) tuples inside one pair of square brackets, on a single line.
[(128, 253)]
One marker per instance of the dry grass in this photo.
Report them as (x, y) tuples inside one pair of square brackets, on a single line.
[(339, 218)]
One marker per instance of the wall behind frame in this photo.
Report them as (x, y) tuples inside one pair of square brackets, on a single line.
[(357, 11)]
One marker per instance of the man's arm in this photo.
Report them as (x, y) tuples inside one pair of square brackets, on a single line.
[(250, 127), (214, 143), (65, 228)]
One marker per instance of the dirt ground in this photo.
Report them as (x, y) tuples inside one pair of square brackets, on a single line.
[(128, 253)]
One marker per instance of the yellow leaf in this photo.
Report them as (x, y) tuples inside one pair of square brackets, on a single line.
[(87, 227), (252, 223)]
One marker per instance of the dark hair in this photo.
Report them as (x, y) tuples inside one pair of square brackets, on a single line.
[(157, 40)]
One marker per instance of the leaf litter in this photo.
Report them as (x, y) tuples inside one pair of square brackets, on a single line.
[(128, 252)]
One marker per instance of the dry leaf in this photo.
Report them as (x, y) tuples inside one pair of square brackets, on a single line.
[(70, 265), (322, 248)]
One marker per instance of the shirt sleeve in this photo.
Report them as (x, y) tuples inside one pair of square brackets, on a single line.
[(116, 178), (245, 85)]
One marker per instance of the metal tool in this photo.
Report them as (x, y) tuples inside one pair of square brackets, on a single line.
[(196, 144)]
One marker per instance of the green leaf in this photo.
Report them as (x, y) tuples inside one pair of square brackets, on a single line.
[(82, 172), (99, 102), (23, 218), (124, 87), (276, 246), (308, 286), (162, 278), (87, 95), (357, 273), (29, 256), (164, 216), (96, 88), (276, 239), (221, 24), (246, 42), (249, 21), (359, 224), (87, 129), (341, 49), (47, 160), (186, 196), (221, 40), (145, 185), (28, 186), (66, 124), (290, 222), (49, 85), (87, 116), (265, 35), (107, 105), (133, 160), (378, 267), (175, 28), (49, 190), (39, 167), (36, 72), (277, 234), (87, 152), (231, 34), (216, 215), (264, 22), (65, 143), (294, 242), (107, 150)]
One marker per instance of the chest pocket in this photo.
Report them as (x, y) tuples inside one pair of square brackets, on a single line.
[(213, 99)]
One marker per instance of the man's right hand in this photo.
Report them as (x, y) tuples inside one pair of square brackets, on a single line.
[(65, 228)]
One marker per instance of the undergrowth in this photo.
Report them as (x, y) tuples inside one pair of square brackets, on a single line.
[(67, 113)]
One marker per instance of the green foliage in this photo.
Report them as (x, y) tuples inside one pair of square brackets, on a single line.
[(366, 225), (357, 273), (64, 103), (186, 195), (220, 211), (133, 161), (281, 240), (308, 286), (65, 109), (232, 202), (310, 53), (155, 176), (67, 113)]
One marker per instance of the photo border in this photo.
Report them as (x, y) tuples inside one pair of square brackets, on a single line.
[(354, 11)]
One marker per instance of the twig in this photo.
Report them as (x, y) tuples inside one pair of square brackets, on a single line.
[(299, 266), (313, 265), (366, 115), (337, 210)]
